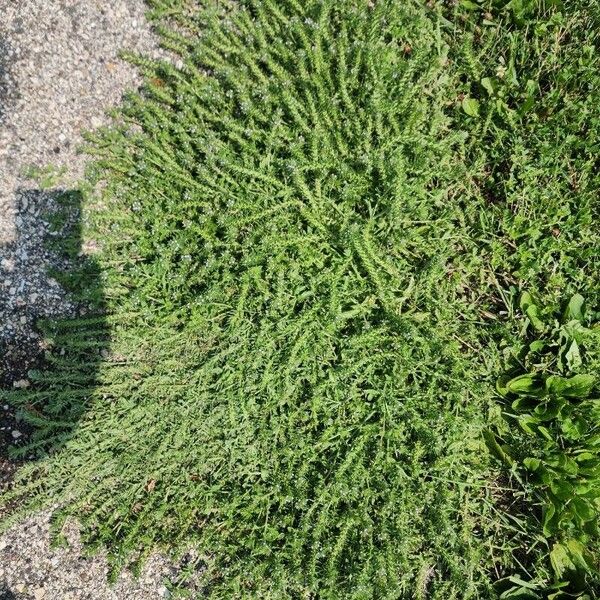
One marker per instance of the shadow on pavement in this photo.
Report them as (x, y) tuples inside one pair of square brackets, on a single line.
[(52, 329)]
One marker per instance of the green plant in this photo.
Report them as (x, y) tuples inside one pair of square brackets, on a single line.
[(285, 383), (308, 231), (556, 455)]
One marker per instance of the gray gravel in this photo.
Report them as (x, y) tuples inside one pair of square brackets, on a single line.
[(59, 72), (30, 569)]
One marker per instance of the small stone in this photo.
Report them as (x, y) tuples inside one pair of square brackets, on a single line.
[(7, 264), (16, 434), (39, 593), (20, 588), (21, 384)]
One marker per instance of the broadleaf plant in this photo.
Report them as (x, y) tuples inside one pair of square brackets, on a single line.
[(550, 439)]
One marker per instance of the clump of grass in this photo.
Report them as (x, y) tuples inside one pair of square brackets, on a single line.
[(306, 231)]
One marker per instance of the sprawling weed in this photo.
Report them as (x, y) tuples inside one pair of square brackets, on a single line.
[(313, 230)]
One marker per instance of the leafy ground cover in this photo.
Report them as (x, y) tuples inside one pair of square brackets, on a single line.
[(313, 235), (548, 437)]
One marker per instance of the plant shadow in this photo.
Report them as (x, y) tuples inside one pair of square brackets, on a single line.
[(55, 333)]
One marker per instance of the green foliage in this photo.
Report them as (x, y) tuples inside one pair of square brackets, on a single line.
[(285, 383), (312, 230), (552, 439)]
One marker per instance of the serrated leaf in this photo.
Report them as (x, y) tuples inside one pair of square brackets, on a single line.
[(577, 553)]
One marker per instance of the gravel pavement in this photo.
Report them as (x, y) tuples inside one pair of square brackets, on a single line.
[(59, 72)]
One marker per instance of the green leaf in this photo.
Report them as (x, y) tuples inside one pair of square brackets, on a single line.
[(560, 560), (583, 509), (549, 521), (496, 449), (578, 555), (585, 456), (578, 386), (526, 584), (573, 357), (469, 5), (525, 404), (575, 308), (533, 464), (525, 301), (471, 106), (568, 465), (571, 429), (501, 385), (555, 384), (528, 384), (519, 593), (537, 346), (528, 423), (527, 105), (533, 316), (563, 490), (488, 85), (530, 309), (549, 409)]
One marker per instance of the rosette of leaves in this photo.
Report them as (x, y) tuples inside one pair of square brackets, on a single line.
[(550, 440)]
